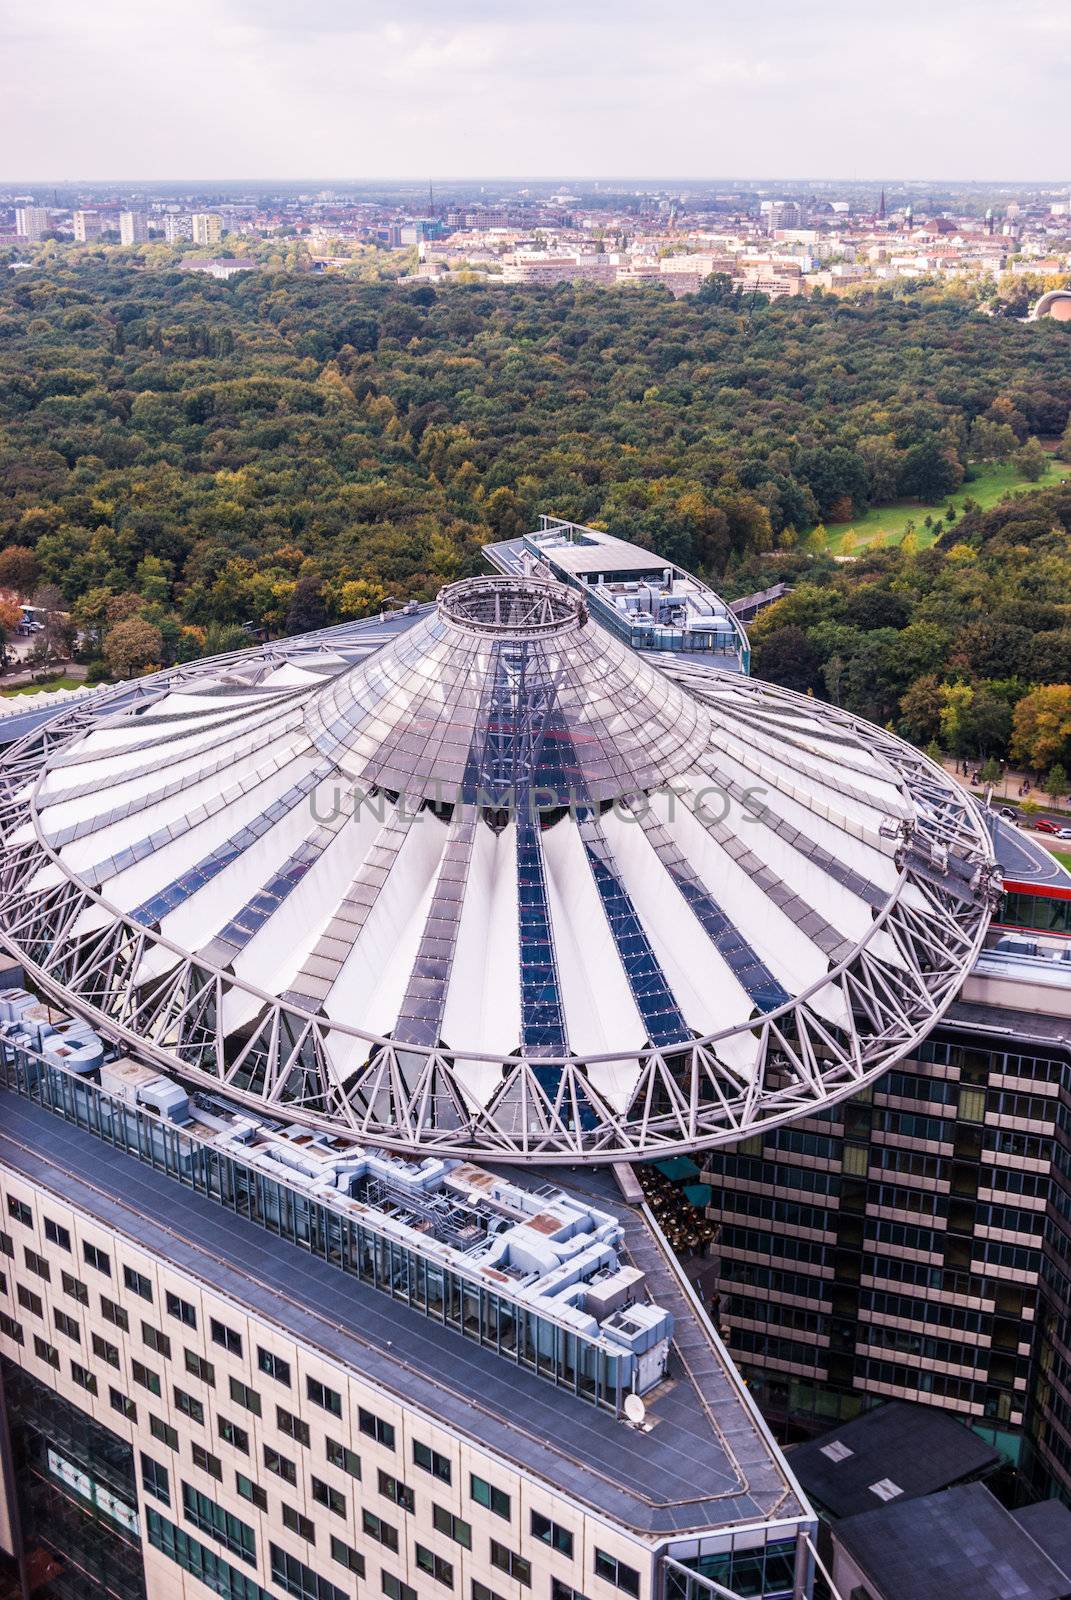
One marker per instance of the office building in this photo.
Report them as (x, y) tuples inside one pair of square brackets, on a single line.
[(206, 227), (912, 1242), (332, 957), (31, 222), (133, 227), (87, 226)]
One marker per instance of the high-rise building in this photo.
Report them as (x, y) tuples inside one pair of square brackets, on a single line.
[(31, 222), (913, 1242), (178, 227), (87, 226), (133, 227), (206, 227)]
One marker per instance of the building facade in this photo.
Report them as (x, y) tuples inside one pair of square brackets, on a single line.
[(133, 227), (206, 227), (914, 1241), (31, 222), (87, 226), (225, 1373)]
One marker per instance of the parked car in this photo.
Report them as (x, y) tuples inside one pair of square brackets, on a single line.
[(1009, 813), (1063, 833), (1044, 825)]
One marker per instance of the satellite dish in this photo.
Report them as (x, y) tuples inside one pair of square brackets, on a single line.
[(635, 1410)]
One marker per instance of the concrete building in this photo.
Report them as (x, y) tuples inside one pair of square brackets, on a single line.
[(217, 266), (178, 227), (31, 222), (87, 226), (206, 227), (133, 227), (292, 1300), (911, 1243)]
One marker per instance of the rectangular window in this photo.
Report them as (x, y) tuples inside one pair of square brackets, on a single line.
[(279, 1465), (615, 1572), (347, 1557), (292, 1426), (75, 1288), (163, 1431), (507, 1560), (222, 1335), (20, 1211), (562, 1591), (30, 1301), (10, 1327), (37, 1264), (393, 1489), (66, 1325), (156, 1340), (431, 1461), (205, 1565), (188, 1405), (56, 1234), (206, 1461), (146, 1377), (552, 1533), (325, 1495), (223, 1526), (300, 1581), (155, 1479), (454, 1527), (298, 1524), (137, 1283), (395, 1589), (99, 1260), (114, 1314), (375, 1427), (339, 1456), (321, 1395), (244, 1396), (107, 1352), (376, 1528), (181, 1310), (83, 1378), (480, 1591), (46, 1352), (198, 1367), (274, 1366), (233, 1435), (126, 1408), (250, 1491), (7, 1246), (442, 1571), (485, 1494)]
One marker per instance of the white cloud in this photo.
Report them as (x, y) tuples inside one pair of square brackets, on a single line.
[(368, 88)]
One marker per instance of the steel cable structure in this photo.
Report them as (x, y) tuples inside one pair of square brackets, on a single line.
[(479, 879)]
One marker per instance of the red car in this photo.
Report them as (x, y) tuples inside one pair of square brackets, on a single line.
[(1043, 825)]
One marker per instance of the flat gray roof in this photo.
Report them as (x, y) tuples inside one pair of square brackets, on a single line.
[(1024, 859), (959, 1545), (705, 1463)]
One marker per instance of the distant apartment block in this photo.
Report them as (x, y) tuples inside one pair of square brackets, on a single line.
[(31, 222), (133, 227), (206, 227), (178, 227), (87, 226)]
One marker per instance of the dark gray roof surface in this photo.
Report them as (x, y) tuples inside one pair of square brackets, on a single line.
[(959, 1545), (1049, 1525), (703, 1464), (919, 1448)]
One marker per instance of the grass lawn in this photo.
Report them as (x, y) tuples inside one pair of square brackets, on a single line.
[(44, 688), (1064, 858), (886, 525)]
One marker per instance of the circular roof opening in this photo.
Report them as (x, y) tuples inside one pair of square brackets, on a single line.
[(512, 607)]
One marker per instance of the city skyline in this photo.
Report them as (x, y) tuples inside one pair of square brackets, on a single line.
[(240, 90)]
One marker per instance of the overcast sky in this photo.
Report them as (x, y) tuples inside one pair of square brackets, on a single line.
[(350, 89)]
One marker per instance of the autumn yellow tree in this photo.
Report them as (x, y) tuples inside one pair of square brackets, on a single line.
[(1041, 727)]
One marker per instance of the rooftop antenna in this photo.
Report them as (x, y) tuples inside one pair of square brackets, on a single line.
[(431, 199)]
